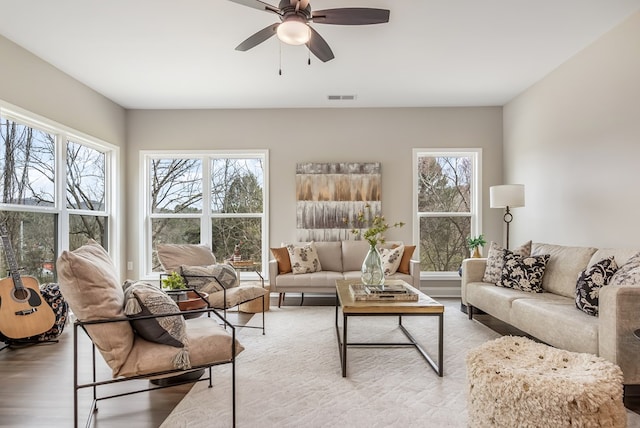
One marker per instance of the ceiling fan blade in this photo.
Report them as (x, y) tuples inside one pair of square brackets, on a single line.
[(257, 4), (258, 37), (351, 16), (319, 47)]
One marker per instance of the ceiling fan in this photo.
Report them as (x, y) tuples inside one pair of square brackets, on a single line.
[(294, 28)]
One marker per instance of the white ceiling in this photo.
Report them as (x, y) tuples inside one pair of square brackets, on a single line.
[(161, 54)]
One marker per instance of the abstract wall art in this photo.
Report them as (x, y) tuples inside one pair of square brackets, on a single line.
[(327, 194)]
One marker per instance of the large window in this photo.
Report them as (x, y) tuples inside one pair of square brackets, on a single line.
[(446, 201), (214, 198), (53, 191)]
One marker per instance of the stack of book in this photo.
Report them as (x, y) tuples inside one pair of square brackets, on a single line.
[(390, 292)]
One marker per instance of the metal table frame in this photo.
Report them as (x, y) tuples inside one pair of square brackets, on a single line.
[(343, 342)]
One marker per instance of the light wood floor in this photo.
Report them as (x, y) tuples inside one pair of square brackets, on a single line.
[(36, 388)]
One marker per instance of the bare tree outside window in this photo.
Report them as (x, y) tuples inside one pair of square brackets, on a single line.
[(444, 185), (85, 177), (176, 185), (175, 190), (28, 167), (86, 192), (237, 188), (235, 209)]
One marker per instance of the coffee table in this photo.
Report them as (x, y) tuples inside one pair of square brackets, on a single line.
[(425, 306)]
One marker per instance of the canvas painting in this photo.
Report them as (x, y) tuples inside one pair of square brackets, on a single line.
[(329, 197)]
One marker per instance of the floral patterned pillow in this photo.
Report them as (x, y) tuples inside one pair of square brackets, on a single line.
[(590, 281), (628, 273), (391, 259), (495, 260), (523, 273), (304, 259)]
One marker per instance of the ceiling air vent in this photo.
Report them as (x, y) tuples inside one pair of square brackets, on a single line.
[(341, 97)]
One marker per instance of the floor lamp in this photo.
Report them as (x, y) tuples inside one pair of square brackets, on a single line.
[(507, 196)]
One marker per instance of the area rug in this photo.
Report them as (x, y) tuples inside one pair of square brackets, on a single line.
[(291, 377)]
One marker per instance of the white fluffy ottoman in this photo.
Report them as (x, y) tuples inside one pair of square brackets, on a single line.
[(516, 382)]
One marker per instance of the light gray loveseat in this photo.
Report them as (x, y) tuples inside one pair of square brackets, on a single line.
[(552, 316), (339, 260)]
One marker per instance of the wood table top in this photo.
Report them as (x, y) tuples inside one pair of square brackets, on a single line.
[(424, 305)]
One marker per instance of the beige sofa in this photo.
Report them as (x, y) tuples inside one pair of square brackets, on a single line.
[(552, 316), (339, 260)]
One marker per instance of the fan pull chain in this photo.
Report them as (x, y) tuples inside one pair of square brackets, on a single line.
[(309, 56), (280, 60)]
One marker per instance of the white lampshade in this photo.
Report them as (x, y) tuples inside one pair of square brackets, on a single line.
[(294, 31), (506, 195)]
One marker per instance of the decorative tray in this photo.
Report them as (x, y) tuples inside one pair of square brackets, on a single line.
[(361, 292)]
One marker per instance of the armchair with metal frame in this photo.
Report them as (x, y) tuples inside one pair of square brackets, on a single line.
[(131, 332), (194, 342), (198, 267)]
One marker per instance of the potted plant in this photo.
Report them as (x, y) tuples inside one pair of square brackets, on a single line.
[(174, 286), (474, 245)]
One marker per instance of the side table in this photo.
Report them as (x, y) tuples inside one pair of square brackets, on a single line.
[(254, 306)]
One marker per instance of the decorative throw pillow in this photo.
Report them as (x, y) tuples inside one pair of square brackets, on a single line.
[(146, 299), (282, 257), (203, 278), (405, 262), (304, 259), (628, 273), (523, 273), (589, 283), (495, 260), (391, 258)]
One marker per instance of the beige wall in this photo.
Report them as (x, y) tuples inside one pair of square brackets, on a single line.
[(573, 139), (320, 135), (37, 87), (34, 85)]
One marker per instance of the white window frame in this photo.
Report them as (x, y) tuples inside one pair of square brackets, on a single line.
[(206, 215), (476, 200), (63, 135)]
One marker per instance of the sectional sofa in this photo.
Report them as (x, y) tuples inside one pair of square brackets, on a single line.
[(553, 317)]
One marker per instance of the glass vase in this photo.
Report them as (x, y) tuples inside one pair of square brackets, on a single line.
[(372, 270)]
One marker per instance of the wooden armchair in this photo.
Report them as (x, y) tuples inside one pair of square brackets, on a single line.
[(198, 266), (139, 334)]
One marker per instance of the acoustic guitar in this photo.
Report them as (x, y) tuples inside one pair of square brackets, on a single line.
[(23, 312)]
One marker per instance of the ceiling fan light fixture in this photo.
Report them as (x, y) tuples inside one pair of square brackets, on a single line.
[(294, 31)]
